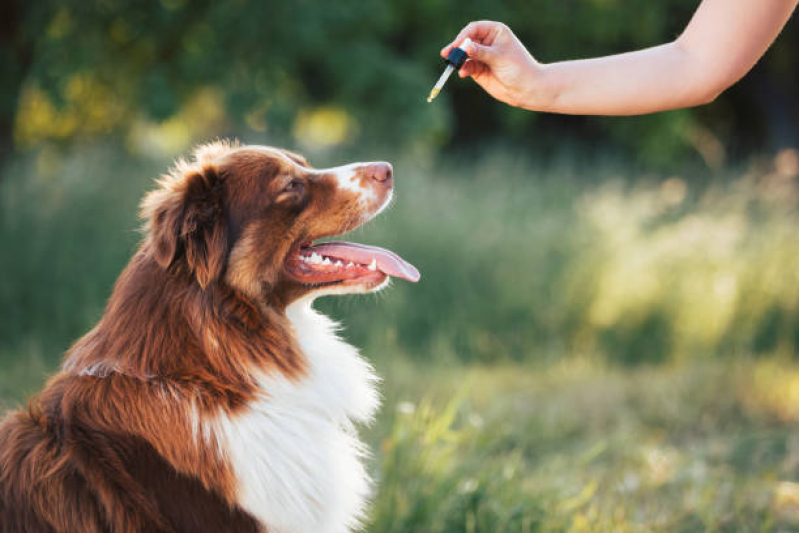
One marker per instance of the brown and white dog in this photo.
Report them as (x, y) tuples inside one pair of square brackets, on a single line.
[(211, 396)]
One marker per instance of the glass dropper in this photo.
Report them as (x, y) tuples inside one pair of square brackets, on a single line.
[(455, 60)]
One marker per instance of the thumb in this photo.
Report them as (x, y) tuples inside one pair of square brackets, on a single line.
[(479, 52)]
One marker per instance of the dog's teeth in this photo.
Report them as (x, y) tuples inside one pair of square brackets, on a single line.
[(373, 265), (339, 263), (326, 261), (350, 264)]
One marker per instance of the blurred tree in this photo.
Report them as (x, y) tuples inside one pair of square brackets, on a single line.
[(16, 54), (93, 67)]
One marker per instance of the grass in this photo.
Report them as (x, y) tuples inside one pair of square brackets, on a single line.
[(590, 349), (580, 447)]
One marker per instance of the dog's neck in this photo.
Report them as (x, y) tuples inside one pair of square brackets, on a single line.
[(215, 335)]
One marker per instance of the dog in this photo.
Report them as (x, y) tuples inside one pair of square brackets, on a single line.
[(211, 396)]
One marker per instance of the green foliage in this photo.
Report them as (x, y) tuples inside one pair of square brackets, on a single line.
[(54, 216), (109, 63)]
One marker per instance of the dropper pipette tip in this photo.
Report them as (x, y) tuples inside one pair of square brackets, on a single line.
[(440, 83)]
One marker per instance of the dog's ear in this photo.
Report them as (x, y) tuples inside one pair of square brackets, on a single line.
[(187, 222)]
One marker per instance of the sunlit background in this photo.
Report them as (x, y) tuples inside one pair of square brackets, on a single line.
[(605, 334)]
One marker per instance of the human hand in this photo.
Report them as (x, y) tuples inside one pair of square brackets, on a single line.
[(501, 65)]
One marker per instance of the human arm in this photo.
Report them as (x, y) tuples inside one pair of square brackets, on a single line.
[(722, 42)]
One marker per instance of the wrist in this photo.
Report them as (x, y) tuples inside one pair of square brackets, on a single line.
[(541, 89)]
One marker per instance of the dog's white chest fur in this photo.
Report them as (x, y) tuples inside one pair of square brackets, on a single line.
[(295, 454)]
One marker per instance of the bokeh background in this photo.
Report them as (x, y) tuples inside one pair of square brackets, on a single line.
[(605, 334)]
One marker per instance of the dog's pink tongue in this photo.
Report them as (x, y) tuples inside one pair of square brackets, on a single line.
[(387, 261)]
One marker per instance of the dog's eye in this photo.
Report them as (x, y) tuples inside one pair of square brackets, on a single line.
[(292, 191), (293, 186)]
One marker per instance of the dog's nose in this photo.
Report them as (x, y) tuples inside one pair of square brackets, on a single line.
[(381, 172)]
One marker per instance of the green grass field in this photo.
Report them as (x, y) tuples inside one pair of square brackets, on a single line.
[(591, 348), (579, 447)]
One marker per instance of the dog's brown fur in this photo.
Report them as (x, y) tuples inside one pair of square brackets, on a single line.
[(109, 444)]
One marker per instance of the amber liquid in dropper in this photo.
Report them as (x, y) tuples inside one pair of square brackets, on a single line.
[(440, 83)]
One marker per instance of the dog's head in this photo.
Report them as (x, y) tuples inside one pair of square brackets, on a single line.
[(248, 216)]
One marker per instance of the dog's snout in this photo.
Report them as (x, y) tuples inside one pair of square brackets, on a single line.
[(381, 172)]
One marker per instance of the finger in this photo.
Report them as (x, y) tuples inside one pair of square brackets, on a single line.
[(479, 52), (482, 31), (468, 68), (473, 69)]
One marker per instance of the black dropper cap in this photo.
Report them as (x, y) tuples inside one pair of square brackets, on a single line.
[(456, 57)]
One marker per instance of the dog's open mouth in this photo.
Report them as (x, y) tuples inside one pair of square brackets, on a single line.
[(346, 262)]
